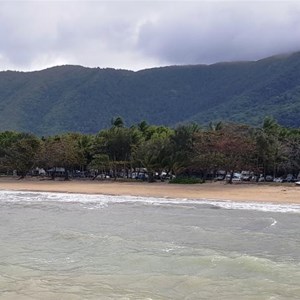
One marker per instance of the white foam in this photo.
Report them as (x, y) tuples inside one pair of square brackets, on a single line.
[(274, 222), (102, 201)]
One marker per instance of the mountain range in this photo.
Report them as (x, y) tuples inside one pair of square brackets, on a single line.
[(75, 98)]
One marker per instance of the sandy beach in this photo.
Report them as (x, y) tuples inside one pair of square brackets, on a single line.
[(283, 193)]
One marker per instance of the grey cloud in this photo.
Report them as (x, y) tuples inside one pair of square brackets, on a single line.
[(223, 31), (87, 33), (142, 34)]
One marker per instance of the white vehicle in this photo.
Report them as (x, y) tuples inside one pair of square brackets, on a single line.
[(278, 179), (246, 175), (236, 177)]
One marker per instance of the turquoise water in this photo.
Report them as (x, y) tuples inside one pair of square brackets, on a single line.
[(72, 246)]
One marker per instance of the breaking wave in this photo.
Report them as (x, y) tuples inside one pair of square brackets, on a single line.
[(96, 201)]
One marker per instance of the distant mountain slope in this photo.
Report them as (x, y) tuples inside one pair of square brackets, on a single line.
[(74, 98)]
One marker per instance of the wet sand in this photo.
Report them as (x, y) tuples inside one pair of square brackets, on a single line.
[(275, 193)]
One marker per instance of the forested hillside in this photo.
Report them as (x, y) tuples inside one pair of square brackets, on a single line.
[(74, 98)]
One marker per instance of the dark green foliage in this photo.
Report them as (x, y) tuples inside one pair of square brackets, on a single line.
[(73, 98), (18, 151), (153, 152)]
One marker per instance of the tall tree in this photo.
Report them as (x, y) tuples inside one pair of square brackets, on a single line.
[(19, 152), (118, 143), (207, 156), (183, 142), (154, 155), (61, 151), (117, 122), (269, 146)]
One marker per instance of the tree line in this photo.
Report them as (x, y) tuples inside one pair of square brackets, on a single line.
[(187, 150)]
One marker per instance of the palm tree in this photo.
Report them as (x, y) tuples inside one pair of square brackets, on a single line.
[(117, 122)]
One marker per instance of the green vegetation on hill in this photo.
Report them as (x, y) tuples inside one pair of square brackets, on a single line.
[(74, 98)]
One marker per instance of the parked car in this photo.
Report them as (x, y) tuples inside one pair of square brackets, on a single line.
[(246, 175), (236, 177), (268, 178), (142, 176), (102, 176), (220, 175), (290, 178)]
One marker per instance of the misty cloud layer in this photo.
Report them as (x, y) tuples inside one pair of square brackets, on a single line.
[(139, 34)]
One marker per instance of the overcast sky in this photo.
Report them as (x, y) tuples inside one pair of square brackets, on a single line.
[(142, 34)]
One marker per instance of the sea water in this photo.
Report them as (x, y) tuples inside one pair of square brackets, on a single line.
[(73, 246)]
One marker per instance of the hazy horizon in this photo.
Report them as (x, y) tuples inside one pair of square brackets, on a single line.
[(153, 67)]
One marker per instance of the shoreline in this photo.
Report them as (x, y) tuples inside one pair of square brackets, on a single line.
[(213, 191)]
